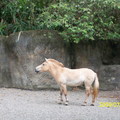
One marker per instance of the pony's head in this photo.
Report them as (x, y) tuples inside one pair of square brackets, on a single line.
[(44, 67)]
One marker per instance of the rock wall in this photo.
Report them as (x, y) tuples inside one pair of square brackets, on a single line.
[(21, 52)]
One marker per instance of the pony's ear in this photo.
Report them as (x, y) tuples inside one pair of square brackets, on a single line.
[(46, 59)]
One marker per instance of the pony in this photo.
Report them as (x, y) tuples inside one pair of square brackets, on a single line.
[(71, 77)]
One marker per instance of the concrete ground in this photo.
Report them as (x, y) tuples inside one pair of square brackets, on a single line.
[(16, 104)]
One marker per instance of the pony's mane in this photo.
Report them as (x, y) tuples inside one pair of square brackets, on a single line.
[(56, 62)]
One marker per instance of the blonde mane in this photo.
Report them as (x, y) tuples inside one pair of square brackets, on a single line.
[(56, 62)]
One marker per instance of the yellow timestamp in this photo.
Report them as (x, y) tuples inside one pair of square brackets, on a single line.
[(109, 104)]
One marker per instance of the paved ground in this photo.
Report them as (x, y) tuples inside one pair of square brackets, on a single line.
[(16, 104)]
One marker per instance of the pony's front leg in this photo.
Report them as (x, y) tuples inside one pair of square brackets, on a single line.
[(65, 94), (61, 93), (66, 102)]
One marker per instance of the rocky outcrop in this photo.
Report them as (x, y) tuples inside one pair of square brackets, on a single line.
[(5, 76), (109, 77), (21, 52), (104, 58)]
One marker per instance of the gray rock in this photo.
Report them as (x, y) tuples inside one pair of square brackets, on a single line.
[(104, 58), (5, 77), (109, 77), (88, 55), (25, 51)]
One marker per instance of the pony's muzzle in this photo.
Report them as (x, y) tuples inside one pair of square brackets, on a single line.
[(36, 71)]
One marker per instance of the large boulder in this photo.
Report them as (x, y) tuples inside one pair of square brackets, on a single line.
[(87, 55), (103, 57), (26, 50), (109, 77), (5, 77)]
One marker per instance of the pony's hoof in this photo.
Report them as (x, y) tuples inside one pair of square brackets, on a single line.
[(66, 103), (92, 104)]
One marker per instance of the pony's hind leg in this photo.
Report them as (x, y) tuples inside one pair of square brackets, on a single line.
[(88, 91), (93, 99)]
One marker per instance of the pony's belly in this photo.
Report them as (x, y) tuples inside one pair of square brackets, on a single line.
[(74, 83)]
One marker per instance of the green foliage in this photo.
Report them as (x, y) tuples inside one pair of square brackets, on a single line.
[(107, 19), (17, 15), (83, 20), (75, 20)]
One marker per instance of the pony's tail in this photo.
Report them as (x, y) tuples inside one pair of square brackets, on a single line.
[(96, 86)]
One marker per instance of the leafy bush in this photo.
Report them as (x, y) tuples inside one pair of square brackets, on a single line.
[(106, 19), (75, 20), (17, 15), (83, 20)]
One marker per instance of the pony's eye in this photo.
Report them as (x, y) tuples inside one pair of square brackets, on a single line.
[(43, 64)]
